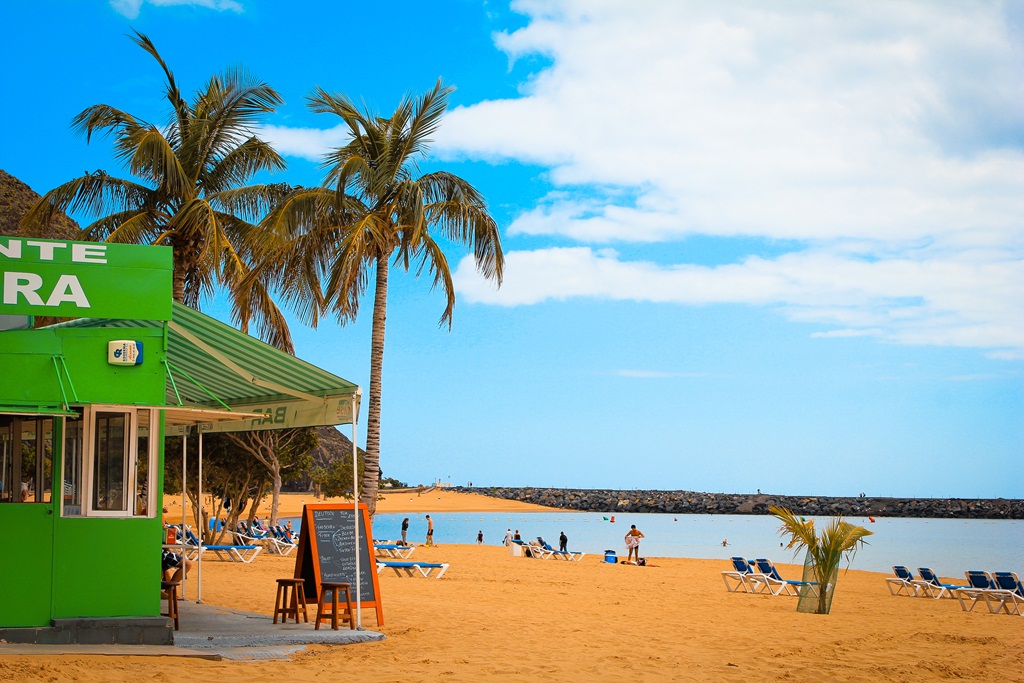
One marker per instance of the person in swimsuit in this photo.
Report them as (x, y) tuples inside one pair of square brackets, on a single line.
[(633, 537), (430, 531)]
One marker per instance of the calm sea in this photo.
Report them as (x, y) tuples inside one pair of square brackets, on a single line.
[(949, 546)]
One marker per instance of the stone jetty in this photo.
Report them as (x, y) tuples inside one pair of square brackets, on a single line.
[(694, 502)]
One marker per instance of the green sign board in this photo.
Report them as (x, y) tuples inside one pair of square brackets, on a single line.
[(84, 279)]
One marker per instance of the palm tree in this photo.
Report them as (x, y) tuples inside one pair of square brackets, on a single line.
[(373, 212), (190, 196), (825, 551)]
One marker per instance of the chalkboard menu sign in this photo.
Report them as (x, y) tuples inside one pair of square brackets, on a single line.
[(327, 553)]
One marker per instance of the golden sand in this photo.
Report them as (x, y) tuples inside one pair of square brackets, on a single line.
[(498, 617)]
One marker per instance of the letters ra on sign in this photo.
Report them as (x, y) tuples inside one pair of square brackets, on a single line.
[(124, 352), (72, 279)]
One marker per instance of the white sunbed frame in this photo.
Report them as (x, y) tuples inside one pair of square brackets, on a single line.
[(394, 550), (411, 568)]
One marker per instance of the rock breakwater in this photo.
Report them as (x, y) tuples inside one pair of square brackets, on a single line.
[(693, 502)]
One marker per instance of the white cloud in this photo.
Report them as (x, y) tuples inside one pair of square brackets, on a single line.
[(786, 120), (308, 143), (956, 299), (131, 8), (656, 374), (887, 139)]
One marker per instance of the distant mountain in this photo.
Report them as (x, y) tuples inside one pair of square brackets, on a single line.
[(16, 198), (333, 446)]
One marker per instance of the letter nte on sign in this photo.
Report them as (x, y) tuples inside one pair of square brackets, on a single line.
[(51, 277)]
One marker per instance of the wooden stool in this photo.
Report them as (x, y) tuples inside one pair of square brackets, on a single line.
[(288, 601), (170, 588), (333, 615)]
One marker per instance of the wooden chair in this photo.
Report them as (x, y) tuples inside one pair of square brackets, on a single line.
[(290, 597), (169, 589), (334, 615)]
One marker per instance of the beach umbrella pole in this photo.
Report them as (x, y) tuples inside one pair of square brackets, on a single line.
[(355, 499), (199, 522), (184, 486)]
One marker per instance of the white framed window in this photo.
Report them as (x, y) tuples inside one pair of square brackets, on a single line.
[(109, 460)]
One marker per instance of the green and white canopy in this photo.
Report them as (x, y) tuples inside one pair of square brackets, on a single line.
[(214, 369)]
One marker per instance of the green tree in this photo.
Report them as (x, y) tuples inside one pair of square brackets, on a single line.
[(825, 551), (191, 195), (373, 212), (229, 474), (284, 452)]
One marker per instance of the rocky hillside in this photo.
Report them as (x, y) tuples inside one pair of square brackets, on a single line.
[(16, 198)]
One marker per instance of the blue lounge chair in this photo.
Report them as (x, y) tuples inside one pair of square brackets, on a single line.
[(933, 588), (569, 555), (777, 585), (273, 544), (980, 587), (236, 553), (396, 550), (743, 578), (1009, 595), (902, 583), (411, 568)]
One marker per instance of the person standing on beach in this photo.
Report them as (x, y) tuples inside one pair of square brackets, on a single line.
[(633, 537), (405, 530), (563, 542), (430, 532), (480, 538), (508, 537)]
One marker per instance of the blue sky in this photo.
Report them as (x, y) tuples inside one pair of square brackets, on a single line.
[(773, 246)]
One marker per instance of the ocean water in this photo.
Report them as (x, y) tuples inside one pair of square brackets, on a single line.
[(949, 546)]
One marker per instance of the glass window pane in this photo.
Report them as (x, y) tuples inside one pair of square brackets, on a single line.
[(73, 466), (6, 459), (29, 442), (44, 467), (110, 463), (142, 484)]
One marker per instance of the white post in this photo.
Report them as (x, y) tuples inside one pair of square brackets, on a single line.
[(355, 499), (199, 522), (184, 497)]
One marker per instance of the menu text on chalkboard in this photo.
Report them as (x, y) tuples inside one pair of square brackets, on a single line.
[(327, 553)]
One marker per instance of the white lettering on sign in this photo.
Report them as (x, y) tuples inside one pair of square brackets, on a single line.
[(89, 253), (46, 249), (67, 289), (80, 253), (12, 249)]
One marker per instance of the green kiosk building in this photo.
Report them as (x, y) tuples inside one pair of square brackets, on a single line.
[(84, 407)]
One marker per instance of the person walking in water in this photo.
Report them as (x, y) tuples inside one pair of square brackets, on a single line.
[(430, 532), (480, 538), (633, 537), (405, 531)]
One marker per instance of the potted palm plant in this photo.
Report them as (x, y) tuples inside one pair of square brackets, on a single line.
[(825, 550)]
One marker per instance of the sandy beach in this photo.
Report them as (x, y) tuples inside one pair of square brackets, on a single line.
[(498, 617)]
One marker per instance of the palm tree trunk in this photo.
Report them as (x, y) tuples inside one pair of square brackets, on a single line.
[(178, 278), (371, 474)]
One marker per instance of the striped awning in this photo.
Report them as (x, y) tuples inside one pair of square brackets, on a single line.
[(212, 365)]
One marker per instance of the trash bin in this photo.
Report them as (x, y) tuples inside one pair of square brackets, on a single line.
[(610, 558), (515, 550)]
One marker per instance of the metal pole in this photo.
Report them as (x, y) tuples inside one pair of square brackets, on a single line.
[(184, 497), (355, 499), (199, 522)]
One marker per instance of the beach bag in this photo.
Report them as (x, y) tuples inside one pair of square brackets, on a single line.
[(641, 562)]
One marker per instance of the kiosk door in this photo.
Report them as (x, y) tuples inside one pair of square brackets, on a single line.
[(26, 514)]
